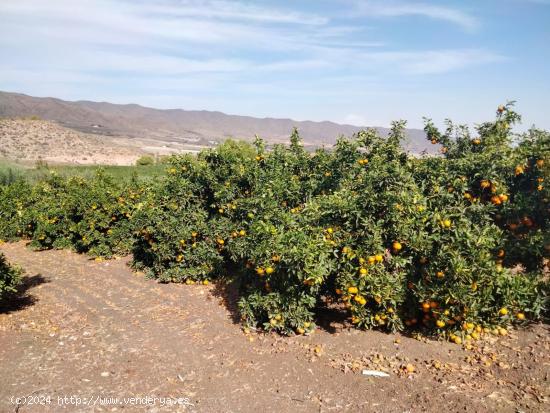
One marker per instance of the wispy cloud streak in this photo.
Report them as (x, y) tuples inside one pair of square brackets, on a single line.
[(377, 8)]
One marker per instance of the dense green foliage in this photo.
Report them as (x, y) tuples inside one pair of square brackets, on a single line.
[(9, 277), (453, 245)]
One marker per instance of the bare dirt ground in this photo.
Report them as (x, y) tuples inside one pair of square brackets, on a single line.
[(32, 140), (95, 329)]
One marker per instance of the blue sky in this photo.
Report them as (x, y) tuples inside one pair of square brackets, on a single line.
[(349, 61)]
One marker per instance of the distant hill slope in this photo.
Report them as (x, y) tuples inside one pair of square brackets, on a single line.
[(32, 140), (177, 125)]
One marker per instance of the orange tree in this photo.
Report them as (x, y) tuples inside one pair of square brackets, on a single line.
[(50, 214), (9, 277), (452, 245), (90, 216), (477, 187), (102, 214), (526, 219), (175, 240), (15, 201), (280, 257), (373, 223)]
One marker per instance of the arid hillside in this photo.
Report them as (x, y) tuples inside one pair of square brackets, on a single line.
[(32, 140)]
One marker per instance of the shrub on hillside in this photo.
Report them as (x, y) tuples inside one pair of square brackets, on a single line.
[(145, 160)]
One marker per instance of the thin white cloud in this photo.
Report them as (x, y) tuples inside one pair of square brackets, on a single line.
[(232, 10), (356, 120), (378, 8), (154, 64), (208, 9), (433, 61), (543, 2)]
